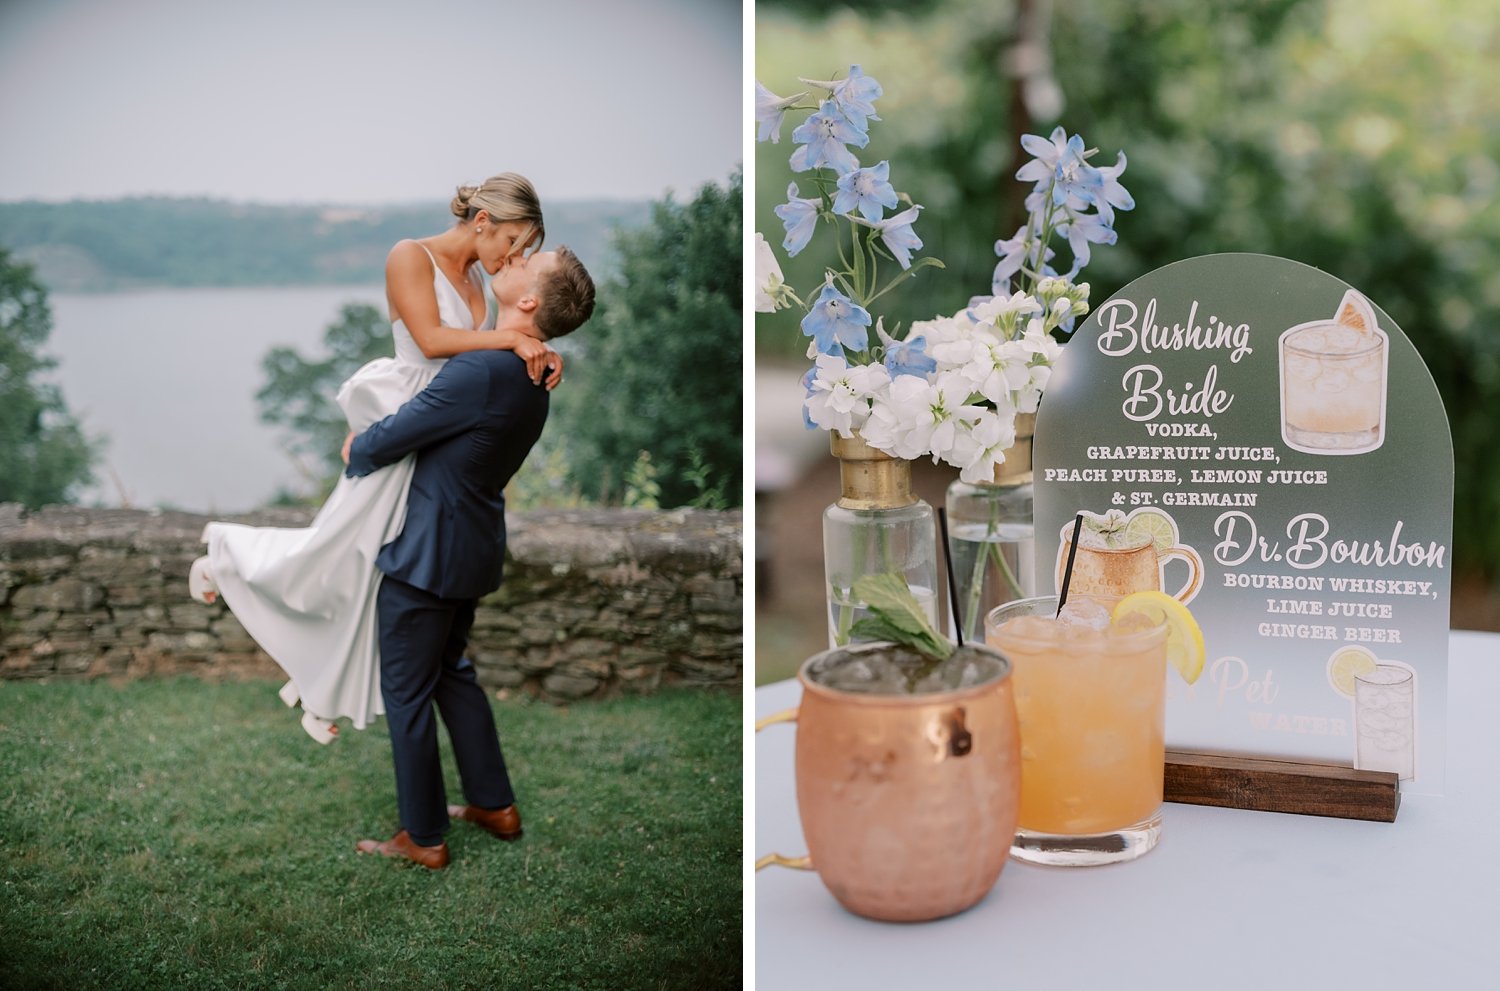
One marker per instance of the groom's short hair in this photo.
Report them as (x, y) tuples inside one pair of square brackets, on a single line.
[(567, 297)]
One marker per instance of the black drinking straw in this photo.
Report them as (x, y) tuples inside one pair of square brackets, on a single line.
[(958, 620), (1062, 595)]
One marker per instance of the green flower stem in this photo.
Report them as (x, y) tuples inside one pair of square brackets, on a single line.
[(884, 553), (993, 551), (859, 264), (902, 276)]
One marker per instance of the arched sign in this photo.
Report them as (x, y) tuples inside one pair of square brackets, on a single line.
[(1260, 440)]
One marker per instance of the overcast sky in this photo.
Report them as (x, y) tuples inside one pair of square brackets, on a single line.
[(365, 101)]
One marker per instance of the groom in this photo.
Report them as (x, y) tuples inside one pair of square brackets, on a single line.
[(470, 429)]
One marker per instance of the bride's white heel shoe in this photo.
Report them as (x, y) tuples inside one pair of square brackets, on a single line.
[(201, 583), (322, 730)]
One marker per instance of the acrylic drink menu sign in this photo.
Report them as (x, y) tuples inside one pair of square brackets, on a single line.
[(1260, 440)]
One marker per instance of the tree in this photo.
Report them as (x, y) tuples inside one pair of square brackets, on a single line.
[(659, 368), (1352, 135), (44, 454), (299, 392)]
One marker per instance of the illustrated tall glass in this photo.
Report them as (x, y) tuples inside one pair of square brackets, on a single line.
[(1091, 703), (1385, 720)]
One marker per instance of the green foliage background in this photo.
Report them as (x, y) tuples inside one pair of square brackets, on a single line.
[(44, 455), (660, 369), (1353, 135)]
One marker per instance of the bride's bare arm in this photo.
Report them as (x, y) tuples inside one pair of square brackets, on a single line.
[(408, 280)]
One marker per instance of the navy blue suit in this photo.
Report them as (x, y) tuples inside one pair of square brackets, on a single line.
[(470, 428)]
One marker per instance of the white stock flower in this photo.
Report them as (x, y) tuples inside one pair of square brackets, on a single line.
[(841, 393), (923, 417), (1042, 352), (1002, 311), (981, 446), (767, 275)]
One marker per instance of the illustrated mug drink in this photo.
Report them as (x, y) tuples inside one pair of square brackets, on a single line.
[(907, 789), (1333, 382), (1091, 702), (1111, 566)]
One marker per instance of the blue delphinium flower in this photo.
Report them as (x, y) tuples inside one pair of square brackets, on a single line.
[(1081, 231), (908, 357), (807, 384), (898, 236), (823, 137), (1112, 195), (1058, 166), (1012, 257), (770, 110), (855, 96), (835, 321), (868, 190), (799, 216)]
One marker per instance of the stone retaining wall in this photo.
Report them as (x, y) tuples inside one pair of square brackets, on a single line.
[(595, 602)]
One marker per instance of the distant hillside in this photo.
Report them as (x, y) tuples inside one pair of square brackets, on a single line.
[(85, 246)]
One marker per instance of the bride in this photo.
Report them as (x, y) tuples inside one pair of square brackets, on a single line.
[(307, 595)]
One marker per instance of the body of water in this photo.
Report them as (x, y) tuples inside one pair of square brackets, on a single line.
[(169, 377)]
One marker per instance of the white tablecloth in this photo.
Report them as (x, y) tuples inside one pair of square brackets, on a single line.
[(1229, 899)]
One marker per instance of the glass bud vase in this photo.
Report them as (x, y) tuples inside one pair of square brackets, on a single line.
[(877, 526), (991, 539)]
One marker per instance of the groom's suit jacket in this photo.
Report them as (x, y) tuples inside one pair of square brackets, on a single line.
[(471, 428)]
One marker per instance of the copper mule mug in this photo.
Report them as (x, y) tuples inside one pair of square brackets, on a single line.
[(908, 802)]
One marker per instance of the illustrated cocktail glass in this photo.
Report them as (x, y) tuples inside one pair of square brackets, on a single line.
[(1385, 720), (1333, 382), (1091, 702), (1111, 564)]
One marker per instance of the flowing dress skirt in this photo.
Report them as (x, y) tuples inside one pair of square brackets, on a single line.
[(307, 595)]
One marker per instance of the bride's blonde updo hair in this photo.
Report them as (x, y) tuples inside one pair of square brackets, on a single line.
[(507, 196)]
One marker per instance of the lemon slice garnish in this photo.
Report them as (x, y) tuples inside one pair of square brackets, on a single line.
[(1152, 523), (1355, 311), (1184, 638), (1346, 665)]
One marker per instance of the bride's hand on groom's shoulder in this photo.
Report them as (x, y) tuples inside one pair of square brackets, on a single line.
[(348, 443), (542, 363)]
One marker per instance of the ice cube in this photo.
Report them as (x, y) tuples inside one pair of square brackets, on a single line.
[(1332, 381), (1310, 340), (1089, 537), (1081, 613), (1343, 339), (868, 673), (1301, 367), (1042, 628)]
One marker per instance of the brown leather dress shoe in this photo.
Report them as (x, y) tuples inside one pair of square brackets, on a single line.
[(401, 846), (504, 823)]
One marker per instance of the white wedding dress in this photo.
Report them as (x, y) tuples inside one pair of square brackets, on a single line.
[(307, 596)]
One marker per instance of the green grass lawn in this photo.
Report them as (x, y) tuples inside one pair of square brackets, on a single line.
[(179, 834)]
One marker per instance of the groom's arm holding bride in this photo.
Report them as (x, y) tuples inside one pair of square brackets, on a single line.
[(455, 401)]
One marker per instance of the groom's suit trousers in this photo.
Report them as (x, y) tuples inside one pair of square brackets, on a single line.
[(422, 640)]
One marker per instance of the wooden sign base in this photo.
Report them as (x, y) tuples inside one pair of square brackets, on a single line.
[(1267, 785)]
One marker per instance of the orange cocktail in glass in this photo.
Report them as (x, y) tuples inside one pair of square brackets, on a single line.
[(1091, 701)]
